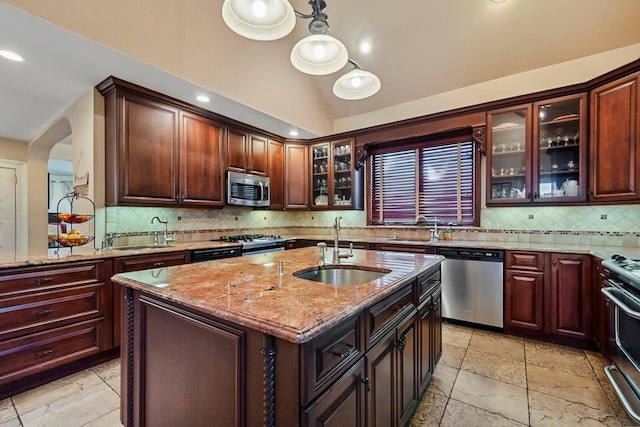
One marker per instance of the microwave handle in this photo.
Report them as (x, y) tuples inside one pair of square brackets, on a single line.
[(611, 294), (261, 191)]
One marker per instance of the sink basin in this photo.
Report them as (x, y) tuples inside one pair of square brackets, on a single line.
[(341, 274), (138, 247)]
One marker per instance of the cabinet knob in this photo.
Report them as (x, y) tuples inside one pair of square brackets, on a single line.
[(43, 280), (158, 264), (44, 352), (45, 312), (555, 261), (367, 384)]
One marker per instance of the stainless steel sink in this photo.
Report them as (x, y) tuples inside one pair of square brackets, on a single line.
[(139, 247), (341, 274)]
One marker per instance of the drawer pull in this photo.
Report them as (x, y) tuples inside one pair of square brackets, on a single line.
[(350, 350), (43, 280), (401, 344), (45, 312), (367, 384), (399, 307), (44, 352), (158, 264)]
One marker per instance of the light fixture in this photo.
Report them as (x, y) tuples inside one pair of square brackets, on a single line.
[(317, 54), (294, 132), (203, 98), (356, 84), (11, 55)]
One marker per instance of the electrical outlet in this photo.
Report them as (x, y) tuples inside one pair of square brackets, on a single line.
[(530, 216), (603, 216), (179, 218)]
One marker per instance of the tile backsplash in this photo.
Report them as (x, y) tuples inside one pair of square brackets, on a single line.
[(617, 225)]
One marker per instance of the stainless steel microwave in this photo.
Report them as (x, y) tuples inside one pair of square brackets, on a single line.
[(247, 190)]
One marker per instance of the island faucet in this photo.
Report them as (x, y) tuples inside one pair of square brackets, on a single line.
[(165, 235), (336, 240), (434, 231)]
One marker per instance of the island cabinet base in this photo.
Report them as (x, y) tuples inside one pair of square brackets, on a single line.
[(185, 367)]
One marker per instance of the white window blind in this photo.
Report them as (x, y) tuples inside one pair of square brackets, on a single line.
[(434, 180)]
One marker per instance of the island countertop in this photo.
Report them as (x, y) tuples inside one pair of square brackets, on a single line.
[(248, 291)]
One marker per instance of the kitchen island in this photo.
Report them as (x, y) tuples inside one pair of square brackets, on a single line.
[(233, 342)]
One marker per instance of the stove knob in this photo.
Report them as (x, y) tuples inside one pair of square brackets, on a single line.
[(618, 258)]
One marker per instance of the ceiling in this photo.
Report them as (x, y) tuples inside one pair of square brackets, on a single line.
[(424, 48)]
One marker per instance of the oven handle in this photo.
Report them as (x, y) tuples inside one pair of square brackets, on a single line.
[(622, 389), (611, 294)]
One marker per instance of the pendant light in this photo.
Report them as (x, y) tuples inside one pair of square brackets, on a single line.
[(259, 19), (356, 84)]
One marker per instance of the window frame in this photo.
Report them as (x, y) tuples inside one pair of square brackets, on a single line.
[(427, 141)]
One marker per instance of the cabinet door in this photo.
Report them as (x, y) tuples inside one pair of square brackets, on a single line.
[(343, 404), (559, 161), (296, 176), (342, 174), (276, 174), (424, 345), (599, 304), (237, 150), (509, 155), (436, 329), (201, 162), (523, 304), (257, 155), (320, 163), (148, 152), (615, 141), (407, 388), (569, 305), (382, 377)]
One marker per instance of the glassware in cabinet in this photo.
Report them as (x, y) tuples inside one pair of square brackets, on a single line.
[(320, 173), (508, 155), (342, 173), (560, 160)]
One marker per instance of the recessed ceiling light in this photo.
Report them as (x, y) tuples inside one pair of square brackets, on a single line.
[(203, 98), (498, 1), (293, 133), (11, 55), (365, 47)]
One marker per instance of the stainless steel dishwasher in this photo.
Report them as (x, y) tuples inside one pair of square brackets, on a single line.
[(472, 288)]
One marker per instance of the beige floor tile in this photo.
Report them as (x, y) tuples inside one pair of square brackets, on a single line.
[(443, 379), (546, 410), (456, 335), (112, 419), (461, 414), (54, 391), (498, 344), (568, 386), (558, 357), (76, 409), (452, 355), (430, 410), (11, 423), (7, 411), (499, 368), (494, 396), (114, 383), (108, 370)]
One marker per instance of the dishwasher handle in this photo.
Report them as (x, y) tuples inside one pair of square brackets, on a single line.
[(489, 255)]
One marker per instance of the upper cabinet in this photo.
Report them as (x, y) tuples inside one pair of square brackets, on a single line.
[(246, 152), (158, 154), (536, 153), (296, 176), (332, 170), (615, 141), (276, 174)]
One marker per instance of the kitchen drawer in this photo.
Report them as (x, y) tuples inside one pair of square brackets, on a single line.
[(426, 283), (32, 279), (41, 351), (386, 314), (145, 262), (26, 314), (330, 355), (520, 260)]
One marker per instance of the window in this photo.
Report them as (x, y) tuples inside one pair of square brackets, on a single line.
[(433, 177)]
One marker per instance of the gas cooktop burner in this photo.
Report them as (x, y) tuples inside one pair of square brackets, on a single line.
[(250, 238), (621, 265)]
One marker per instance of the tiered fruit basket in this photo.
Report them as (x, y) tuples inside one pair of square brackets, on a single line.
[(70, 233)]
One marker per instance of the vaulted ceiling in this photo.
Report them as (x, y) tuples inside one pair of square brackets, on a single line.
[(420, 50)]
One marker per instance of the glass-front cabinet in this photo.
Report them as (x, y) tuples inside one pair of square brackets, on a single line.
[(536, 153), (332, 166)]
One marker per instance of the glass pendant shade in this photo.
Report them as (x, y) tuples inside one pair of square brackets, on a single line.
[(356, 84), (259, 19), (319, 54)]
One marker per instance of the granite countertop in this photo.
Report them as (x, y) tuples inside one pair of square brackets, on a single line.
[(249, 291)]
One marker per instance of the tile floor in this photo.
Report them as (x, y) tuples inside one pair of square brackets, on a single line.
[(483, 379)]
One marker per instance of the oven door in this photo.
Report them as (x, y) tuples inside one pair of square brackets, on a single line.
[(624, 374)]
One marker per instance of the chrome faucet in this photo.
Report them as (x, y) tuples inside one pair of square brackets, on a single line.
[(434, 231), (165, 235), (336, 241)]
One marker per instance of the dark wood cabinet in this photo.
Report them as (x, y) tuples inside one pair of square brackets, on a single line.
[(52, 319), (275, 173), (429, 319), (569, 302), (332, 171), (615, 141), (523, 299), (247, 152), (602, 321), (157, 153), (296, 176), (398, 247)]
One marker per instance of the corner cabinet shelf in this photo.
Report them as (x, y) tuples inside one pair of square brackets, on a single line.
[(536, 153), (332, 175), (76, 226)]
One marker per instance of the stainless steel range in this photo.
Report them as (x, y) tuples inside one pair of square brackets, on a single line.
[(623, 291), (253, 244)]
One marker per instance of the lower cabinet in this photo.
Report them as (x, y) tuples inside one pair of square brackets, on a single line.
[(523, 299)]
